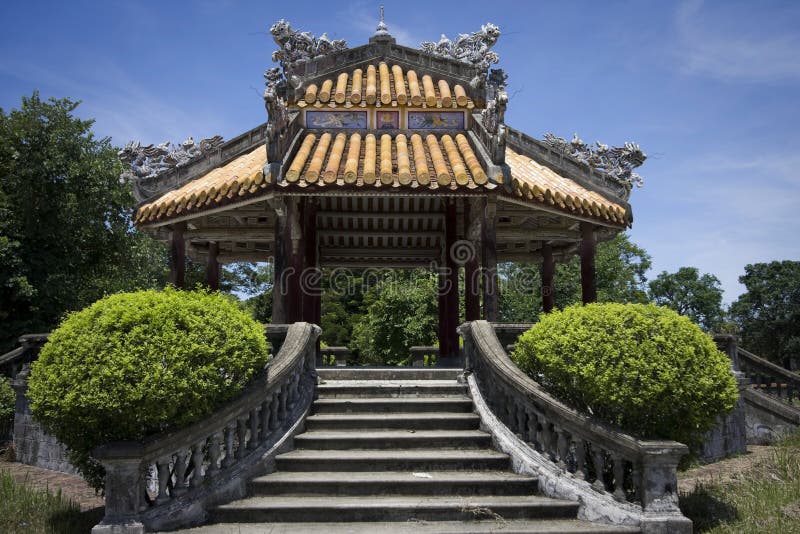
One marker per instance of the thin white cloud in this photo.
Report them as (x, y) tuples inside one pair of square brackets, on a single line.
[(730, 46)]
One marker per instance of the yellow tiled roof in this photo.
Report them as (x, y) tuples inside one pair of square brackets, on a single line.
[(385, 86), (355, 161), (535, 182), (234, 180), (374, 160)]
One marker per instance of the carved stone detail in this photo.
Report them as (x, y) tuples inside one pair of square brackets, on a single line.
[(615, 162), (300, 46), (471, 48), (277, 112), (494, 114), (150, 161)]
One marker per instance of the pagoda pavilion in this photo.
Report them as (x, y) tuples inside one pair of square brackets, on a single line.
[(384, 156)]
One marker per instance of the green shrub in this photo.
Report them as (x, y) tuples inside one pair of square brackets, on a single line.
[(8, 400), (135, 364), (643, 368)]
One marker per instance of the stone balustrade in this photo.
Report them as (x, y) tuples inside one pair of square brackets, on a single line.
[(769, 378), (334, 356), (14, 361), (169, 480), (424, 356), (617, 478)]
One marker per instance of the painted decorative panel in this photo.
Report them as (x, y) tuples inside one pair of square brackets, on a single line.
[(436, 120), (336, 119), (387, 120)]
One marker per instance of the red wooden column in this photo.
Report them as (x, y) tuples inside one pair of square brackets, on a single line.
[(178, 255), (293, 244), (279, 263), (548, 268), (588, 277), (450, 221), (212, 266), (472, 282), (444, 340), (489, 257)]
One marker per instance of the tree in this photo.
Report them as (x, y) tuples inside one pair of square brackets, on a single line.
[(66, 236), (688, 293), (401, 311), (768, 313), (620, 267)]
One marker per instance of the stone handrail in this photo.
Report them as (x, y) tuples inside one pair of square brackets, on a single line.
[(12, 362), (606, 468), (334, 356), (168, 480), (769, 378), (418, 355)]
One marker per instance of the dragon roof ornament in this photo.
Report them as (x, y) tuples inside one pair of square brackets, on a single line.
[(615, 162), (150, 161), (301, 46), (471, 48)]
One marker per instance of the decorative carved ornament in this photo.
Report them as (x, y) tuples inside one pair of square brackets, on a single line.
[(615, 162), (301, 46), (150, 161), (471, 48)]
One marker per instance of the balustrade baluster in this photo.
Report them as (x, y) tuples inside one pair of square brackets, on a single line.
[(282, 406), (522, 421), (162, 465), (253, 442), (241, 433), (619, 477), (533, 423), (273, 412), (230, 430), (599, 466), (511, 416), (265, 420), (214, 452), (197, 464), (580, 459), (180, 486), (548, 441), (562, 446), (636, 481)]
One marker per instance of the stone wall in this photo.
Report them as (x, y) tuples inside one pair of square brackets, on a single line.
[(729, 437), (32, 445)]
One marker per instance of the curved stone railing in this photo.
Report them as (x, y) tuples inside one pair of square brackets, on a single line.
[(616, 477), (769, 378), (12, 362), (169, 480)]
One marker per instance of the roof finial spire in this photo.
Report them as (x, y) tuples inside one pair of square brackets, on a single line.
[(382, 29)]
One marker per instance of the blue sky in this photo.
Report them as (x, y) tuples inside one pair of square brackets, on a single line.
[(710, 90)]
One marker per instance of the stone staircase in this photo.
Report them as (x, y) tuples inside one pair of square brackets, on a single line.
[(395, 450)]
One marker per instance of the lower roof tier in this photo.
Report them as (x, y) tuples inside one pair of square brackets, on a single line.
[(382, 164)]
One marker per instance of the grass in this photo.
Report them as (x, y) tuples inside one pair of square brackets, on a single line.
[(23, 509), (765, 501)]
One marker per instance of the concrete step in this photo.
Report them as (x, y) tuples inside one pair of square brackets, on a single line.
[(337, 509), (393, 439), (409, 421), (485, 526), (395, 483), (416, 405), (391, 460), (390, 388), (388, 373)]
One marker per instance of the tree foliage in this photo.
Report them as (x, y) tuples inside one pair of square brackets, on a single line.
[(641, 367), (768, 313), (620, 266), (135, 364), (66, 236), (401, 312), (698, 297)]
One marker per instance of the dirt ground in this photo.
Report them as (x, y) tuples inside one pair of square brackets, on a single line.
[(726, 471)]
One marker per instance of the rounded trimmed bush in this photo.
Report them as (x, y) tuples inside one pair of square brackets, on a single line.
[(643, 368), (135, 364)]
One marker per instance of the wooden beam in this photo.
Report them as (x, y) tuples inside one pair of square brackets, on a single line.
[(379, 233), (548, 268), (432, 253), (178, 255), (406, 216), (588, 276), (261, 233)]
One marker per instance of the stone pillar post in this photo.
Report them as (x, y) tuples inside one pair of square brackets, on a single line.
[(123, 491), (212, 266), (548, 269), (588, 276), (178, 255), (489, 257)]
